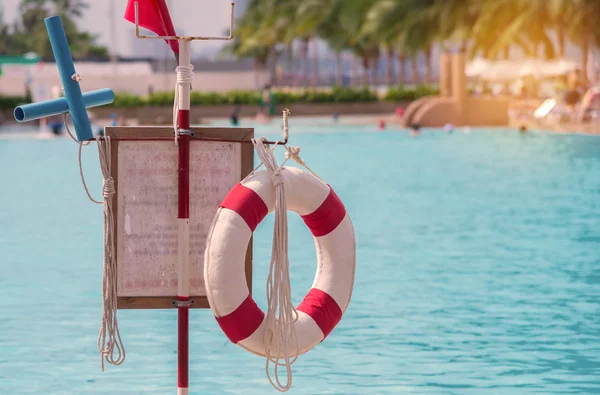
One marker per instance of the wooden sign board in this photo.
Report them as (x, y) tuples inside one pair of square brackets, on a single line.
[(145, 171)]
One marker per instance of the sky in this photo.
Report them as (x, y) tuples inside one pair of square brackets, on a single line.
[(190, 17)]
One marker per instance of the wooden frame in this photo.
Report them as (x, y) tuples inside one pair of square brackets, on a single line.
[(153, 133)]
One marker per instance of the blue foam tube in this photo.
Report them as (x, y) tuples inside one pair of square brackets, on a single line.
[(66, 69), (48, 108)]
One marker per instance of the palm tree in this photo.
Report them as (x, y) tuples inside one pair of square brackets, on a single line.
[(278, 22), (385, 23), (72, 9), (584, 29), (521, 22), (337, 39), (251, 41), (420, 34), (364, 46), (527, 22), (412, 28), (310, 16), (561, 13)]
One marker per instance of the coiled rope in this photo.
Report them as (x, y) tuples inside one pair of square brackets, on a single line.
[(281, 342), (280, 334), (185, 75), (109, 338)]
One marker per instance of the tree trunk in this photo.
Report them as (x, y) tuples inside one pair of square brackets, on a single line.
[(273, 71), (560, 32), (401, 62), (428, 71), (365, 74), (505, 56), (256, 69), (374, 70), (260, 65), (389, 69), (354, 71), (315, 65), (585, 52), (339, 77), (291, 64), (414, 72), (305, 61)]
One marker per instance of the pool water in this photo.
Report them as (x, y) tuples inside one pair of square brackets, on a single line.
[(478, 272)]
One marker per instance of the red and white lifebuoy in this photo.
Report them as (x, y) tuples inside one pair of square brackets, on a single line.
[(242, 321)]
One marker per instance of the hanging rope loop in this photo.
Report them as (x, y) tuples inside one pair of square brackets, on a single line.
[(110, 344), (281, 342)]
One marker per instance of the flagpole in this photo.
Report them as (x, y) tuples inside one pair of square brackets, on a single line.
[(183, 258), (183, 137)]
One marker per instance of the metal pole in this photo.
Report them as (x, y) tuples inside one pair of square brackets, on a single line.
[(183, 256)]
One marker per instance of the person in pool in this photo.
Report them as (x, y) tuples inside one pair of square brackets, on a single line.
[(56, 125), (234, 117), (415, 130), (448, 128), (575, 89), (267, 104)]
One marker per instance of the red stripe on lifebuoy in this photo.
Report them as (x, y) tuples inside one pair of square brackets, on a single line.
[(327, 217), (247, 203), (323, 309), (242, 322)]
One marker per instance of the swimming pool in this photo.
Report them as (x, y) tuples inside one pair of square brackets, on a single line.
[(478, 272)]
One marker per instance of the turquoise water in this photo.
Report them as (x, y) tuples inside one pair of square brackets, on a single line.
[(478, 273)]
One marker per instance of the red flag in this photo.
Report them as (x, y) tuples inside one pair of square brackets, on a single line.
[(154, 16)]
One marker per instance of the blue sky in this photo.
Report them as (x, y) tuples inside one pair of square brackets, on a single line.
[(197, 17)]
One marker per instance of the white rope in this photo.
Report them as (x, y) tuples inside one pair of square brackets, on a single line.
[(294, 153), (286, 114), (109, 338), (280, 334), (110, 343), (185, 75)]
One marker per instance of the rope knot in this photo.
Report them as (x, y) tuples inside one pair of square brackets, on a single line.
[(108, 188), (293, 153), (185, 74), (277, 178)]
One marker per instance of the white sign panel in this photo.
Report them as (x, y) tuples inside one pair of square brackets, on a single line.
[(147, 199)]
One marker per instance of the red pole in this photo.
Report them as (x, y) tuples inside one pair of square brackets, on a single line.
[(183, 310), (183, 257)]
